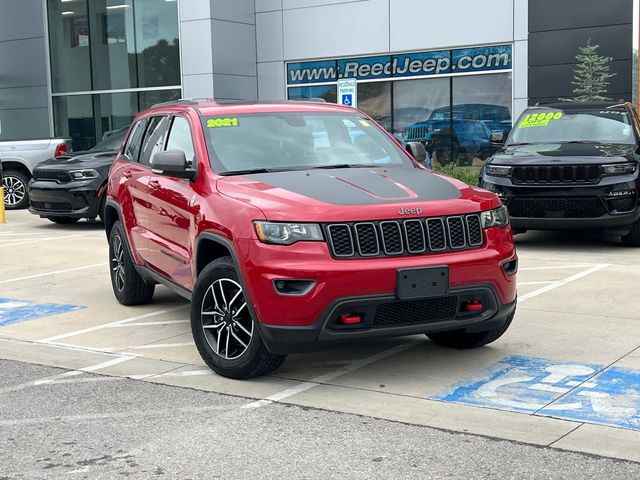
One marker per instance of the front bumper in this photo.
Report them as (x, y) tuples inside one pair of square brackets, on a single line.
[(611, 204), (364, 284), (327, 330), (73, 199)]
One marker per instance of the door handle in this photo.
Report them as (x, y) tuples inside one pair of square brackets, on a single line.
[(127, 173)]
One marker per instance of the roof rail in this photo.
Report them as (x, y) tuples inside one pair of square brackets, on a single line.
[(184, 101)]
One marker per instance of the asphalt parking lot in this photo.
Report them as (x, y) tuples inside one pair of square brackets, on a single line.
[(566, 375)]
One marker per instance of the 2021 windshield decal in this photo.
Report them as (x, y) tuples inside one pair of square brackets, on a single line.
[(222, 122)]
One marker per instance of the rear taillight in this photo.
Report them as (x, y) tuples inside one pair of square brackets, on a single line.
[(61, 149)]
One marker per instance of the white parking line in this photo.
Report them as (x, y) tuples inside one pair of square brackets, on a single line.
[(187, 373), (78, 380), (107, 325), (145, 324), (105, 416), (54, 378), (14, 234), (536, 283), (46, 239), (327, 377), (161, 345), (564, 281), (54, 272)]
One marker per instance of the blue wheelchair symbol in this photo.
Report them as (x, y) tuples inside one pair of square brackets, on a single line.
[(347, 99)]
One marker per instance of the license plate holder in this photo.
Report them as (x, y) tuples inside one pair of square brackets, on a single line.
[(421, 282)]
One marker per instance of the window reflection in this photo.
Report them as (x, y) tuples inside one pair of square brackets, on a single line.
[(87, 118), (69, 44), (374, 98), (481, 105), (73, 118), (327, 93), (107, 45)]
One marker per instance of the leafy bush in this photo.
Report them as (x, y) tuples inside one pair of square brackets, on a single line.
[(468, 175)]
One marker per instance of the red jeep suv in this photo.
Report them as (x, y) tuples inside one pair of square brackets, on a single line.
[(292, 225)]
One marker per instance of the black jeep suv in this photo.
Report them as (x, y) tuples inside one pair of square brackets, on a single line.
[(571, 166)]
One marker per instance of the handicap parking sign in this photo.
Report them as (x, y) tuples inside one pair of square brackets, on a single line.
[(348, 92), (14, 311), (575, 391)]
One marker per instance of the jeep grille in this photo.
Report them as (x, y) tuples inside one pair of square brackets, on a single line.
[(404, 237)]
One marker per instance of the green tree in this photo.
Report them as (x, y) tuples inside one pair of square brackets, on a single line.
[(590, 75)]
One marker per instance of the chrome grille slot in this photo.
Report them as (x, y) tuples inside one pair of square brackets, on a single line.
[(416, 242), (391, 238), (474, 230), (437, 239), (340, 240), (455, 229), (367, 239)]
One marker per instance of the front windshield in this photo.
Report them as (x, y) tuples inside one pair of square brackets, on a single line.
[(297, 140), (551, 125)]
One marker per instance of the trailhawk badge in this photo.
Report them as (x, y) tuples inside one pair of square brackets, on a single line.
[(409, 211)]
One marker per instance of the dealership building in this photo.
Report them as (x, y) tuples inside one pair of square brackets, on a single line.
[(80, 68)]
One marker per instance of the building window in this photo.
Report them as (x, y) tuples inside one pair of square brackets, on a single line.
[(103, 45), (449, 100), (327, 93), (87, 118)]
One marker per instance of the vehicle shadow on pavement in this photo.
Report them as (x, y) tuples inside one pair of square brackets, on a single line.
[(81, 226)]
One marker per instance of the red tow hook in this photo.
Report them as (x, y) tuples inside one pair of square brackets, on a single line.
[(349, 319), (473, 306)]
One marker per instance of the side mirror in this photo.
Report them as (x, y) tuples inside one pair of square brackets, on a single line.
[(417, 151), (172, 163), (497, 137)]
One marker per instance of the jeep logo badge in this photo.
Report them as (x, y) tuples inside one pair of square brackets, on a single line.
[(409, 211)]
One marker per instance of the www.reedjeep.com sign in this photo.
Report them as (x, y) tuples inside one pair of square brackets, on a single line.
[(464, 60)]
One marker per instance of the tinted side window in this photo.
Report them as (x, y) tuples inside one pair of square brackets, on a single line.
[(132, 148), (153, 139), (180, 139)]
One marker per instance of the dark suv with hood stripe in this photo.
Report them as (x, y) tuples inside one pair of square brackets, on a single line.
[(571, 166), (293, 225)]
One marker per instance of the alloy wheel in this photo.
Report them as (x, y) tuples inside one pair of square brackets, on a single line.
[(226, 320), (14, 191), (117, 263)]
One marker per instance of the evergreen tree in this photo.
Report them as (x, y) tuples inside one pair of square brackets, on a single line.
[(590, 75)]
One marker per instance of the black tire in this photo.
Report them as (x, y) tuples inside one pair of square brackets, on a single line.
[(63, 220), (15, 184), (244, 354), (632, 239), (128, 286), (462, 340)]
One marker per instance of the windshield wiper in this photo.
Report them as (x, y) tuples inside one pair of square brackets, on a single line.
[(253, 170), (347, 165)]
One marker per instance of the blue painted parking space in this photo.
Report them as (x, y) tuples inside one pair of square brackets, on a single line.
[(575, 391), (14, 311)]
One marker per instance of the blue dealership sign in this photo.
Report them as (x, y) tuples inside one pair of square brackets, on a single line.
[(583, 392), (477, 59)]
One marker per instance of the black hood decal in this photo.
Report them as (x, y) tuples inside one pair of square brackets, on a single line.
[(363, 186), (95, 159)]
